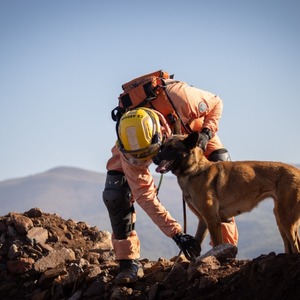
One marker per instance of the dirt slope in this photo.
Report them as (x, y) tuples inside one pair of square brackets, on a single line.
[(43, 256)]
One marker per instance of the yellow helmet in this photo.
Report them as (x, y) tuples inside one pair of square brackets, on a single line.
[(139, 133)]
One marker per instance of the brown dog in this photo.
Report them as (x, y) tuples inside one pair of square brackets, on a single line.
[(216, 191)]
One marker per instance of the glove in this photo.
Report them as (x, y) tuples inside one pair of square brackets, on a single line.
[(188, 244), (203, 137)]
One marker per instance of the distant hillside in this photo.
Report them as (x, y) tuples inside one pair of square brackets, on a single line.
[(75, 193), (72, 192)]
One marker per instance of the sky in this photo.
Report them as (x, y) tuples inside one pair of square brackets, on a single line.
[(62, 64)]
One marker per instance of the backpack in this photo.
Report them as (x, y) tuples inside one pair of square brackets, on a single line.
[(148, 91)]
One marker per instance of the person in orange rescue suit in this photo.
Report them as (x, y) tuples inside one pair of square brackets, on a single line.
[(141, 132)]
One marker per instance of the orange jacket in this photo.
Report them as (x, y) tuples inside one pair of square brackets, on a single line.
[(197, 109)]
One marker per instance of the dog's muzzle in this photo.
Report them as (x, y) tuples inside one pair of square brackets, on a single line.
[(164, 167)]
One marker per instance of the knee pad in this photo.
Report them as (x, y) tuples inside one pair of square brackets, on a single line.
[(219, 155), (117, 198)]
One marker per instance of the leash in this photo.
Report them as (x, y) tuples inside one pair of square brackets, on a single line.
[(183, 204), (159, 183), (184, 216), (184, 229)]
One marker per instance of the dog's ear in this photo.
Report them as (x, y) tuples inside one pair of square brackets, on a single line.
[(191, 140)]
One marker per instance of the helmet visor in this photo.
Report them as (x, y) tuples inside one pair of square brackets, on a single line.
[(145, 153)]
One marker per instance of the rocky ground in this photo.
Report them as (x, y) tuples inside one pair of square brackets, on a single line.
[(44, 257)]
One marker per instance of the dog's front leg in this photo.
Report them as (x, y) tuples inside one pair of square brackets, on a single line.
[(202, 231), (215, 231)]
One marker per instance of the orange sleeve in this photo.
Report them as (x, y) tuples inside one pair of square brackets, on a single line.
[(144, 193)]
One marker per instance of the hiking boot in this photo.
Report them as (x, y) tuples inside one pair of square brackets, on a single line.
[(130, 271)]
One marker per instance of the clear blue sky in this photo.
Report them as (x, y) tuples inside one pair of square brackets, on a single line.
[(62, 64)]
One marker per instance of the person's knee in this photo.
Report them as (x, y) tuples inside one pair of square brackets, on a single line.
[(219, 155), (117, 198), (116, 192)]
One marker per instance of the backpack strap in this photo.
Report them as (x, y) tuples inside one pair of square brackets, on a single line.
[(176, 126)]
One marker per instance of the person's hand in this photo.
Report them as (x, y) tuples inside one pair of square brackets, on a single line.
[(203, 137), (188, 244)]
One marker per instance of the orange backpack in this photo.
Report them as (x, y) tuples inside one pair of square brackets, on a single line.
[(148, 91)]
